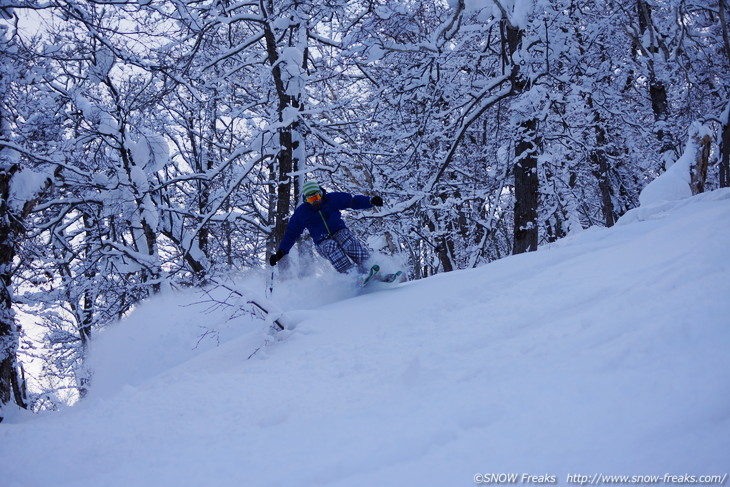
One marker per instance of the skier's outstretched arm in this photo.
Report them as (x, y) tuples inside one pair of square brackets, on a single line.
[(358, 202)]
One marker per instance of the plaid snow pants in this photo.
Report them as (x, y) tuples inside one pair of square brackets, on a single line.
[(341, 247)]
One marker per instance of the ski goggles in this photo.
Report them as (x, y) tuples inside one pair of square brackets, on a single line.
[(313, 198)]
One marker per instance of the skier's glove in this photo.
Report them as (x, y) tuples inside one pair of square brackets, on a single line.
[(276, 257), (376, 201)]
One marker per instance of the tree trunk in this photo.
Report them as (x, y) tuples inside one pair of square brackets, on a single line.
[(722, 7), (283, 183), (526, 147), (698, 173), (725, 150), (445, 251), (657, 87), (526, 189), (289, 141), (601, 169), (601, 172), (12, 387)]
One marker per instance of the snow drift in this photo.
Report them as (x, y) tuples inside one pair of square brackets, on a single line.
[(605, 353)]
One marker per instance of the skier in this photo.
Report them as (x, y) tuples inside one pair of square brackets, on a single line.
[(320, 214)]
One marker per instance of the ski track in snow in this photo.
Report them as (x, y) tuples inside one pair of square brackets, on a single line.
[(605, 352)]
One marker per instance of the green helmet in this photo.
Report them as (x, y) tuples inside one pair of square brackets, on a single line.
[(310, 187)]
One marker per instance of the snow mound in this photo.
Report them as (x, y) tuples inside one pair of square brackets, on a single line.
[(175, 327), (674, 183)]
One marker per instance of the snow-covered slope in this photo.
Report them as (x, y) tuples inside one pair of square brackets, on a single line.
[(606, 353)]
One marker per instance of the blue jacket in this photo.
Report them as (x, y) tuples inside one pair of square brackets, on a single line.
[(322, 221)]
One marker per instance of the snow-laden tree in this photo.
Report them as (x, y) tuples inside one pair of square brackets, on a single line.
[(92, 248), (20, 187)]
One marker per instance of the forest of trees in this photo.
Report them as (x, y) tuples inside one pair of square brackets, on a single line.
[(154, 144)]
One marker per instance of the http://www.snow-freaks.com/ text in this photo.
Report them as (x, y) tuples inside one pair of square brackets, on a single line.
[(600, 479)]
